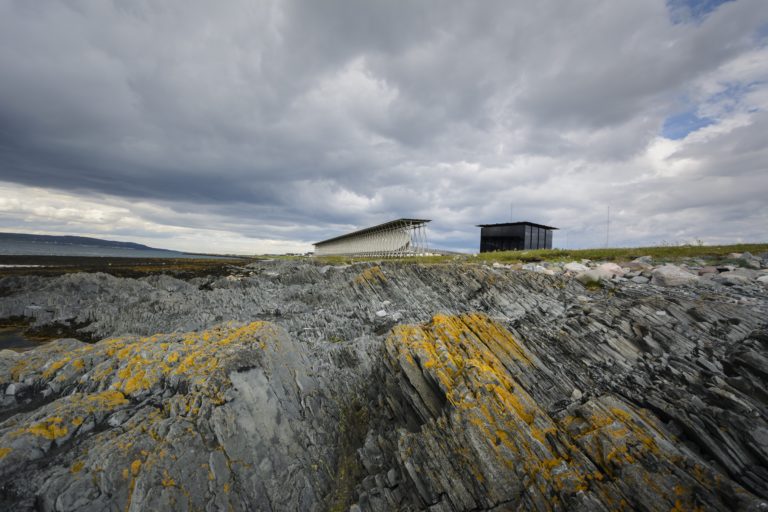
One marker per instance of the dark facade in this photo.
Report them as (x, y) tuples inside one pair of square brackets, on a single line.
[(514, 236)]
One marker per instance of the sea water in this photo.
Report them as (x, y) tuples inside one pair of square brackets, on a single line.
[(13, 339)]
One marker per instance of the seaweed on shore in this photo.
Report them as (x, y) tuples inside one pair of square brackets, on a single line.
[(50, 266)]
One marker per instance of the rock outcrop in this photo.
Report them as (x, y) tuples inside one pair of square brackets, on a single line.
[(386, 387), (225, 419), (498, 431)]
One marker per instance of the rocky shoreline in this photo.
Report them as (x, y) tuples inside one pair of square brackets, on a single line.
[(289, 385)]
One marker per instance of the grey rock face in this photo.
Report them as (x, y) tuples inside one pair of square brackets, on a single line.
[(480, 388), (644, 260)]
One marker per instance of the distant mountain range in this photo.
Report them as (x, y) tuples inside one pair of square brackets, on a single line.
[(72, 240), (23, 244)]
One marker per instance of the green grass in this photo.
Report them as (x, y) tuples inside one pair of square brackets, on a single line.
[(348, 260), (288, 257), (661, 253), (666, 253)]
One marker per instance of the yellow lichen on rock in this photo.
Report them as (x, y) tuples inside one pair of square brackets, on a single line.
[(464, 350), (245, 332), (188, 372), (167, 481), (51, 428), (19, 369), (465, 374), (135, 467), (464, 356), (372, 276), (628, 446), (613, 436), (55, 366), (107, 399), (69, 413), (193, 356)]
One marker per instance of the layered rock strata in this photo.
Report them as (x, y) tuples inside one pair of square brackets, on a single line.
[(224, 419), (386, 387)]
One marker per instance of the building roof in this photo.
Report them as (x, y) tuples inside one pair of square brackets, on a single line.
[(387, 225), (516, 224)]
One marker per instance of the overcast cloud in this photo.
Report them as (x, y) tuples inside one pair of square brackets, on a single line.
[(254, 127)]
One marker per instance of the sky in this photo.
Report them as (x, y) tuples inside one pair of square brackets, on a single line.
[(262, 126)]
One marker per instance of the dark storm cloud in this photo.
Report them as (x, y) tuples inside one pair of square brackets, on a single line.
[(295, 120)]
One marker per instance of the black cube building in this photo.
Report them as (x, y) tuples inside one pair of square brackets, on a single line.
[(514, 236)]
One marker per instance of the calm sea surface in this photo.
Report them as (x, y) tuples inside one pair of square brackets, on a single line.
[(28, 248), (13, 339)]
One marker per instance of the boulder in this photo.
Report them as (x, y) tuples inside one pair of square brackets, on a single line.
[(638, 266), (672, 275), (611, 268), (593, 276), (732, 278), (14, 388), (535, 267), (750, 260), (575, 267)]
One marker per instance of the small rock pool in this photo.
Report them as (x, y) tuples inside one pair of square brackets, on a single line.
[(14, 339)]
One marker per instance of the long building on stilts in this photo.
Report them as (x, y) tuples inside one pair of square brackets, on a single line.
[(397, 238)]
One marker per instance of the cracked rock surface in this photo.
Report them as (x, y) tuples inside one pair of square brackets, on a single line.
[(293, 386)]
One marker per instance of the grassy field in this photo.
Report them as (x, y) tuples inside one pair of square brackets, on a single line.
[(188, 267), (347, 260), (662, 253)]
